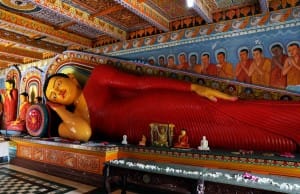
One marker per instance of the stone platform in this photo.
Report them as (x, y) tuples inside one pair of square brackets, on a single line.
[(86, 160)]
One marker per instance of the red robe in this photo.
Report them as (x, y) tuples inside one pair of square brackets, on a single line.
[(10, 106), (21, 125), (120, 103)]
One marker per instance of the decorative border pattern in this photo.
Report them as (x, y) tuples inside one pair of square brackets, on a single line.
[(242, 90), (285, 18), (84, 158)]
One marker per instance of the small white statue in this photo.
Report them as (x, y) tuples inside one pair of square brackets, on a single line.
[(124, 141), (203, 144)]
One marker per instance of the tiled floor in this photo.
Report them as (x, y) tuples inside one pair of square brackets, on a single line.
[(80, 188)]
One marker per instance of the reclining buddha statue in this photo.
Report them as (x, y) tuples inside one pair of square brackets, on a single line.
[(113, 103)]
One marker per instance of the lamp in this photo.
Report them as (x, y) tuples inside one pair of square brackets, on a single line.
[(190, 3)]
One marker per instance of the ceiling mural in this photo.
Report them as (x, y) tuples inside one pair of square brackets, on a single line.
[(34, 30), (19, 6)]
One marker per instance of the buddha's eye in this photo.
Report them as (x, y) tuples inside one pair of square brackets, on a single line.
[(58, 84), (53, 96)]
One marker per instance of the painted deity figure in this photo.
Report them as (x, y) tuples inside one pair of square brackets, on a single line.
[(113, 103), (171, 62), (224, 68), (10, 102), (260, 69), (292, 65), (183, 63), (277, 79), (242, 68), (19, 124), (207, 68)]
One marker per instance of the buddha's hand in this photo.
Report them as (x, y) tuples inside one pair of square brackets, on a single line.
[(211, 94)]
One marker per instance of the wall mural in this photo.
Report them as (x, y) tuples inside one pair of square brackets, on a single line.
[(227, 49)]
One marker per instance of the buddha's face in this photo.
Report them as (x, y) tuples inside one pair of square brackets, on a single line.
[(62, 90), (8, 86)]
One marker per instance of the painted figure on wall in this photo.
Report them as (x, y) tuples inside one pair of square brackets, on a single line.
[(277, 79), (10, 102), (207, 67), (109, 93), (151, 61), (260, 68), (19, 124), (224, 68), (193, 60), (292, 65), (171, 62), (242, 68), (183, 63), (161, 61)]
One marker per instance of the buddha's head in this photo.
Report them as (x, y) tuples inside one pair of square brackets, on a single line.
[(9, 84), (23, 97), (61, 89)]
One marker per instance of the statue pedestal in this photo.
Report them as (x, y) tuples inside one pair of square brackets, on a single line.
[(73, 161)]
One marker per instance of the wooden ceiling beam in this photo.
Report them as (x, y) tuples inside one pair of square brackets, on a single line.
[(21, 52), (147, 13), (65, 25), (11, 60), (108, 11), (10, 18), (203, 10), (21, 39)]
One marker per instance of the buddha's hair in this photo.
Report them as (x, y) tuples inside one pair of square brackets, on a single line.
[(39, 98), (46, 83), (11, 81), (24, 94)]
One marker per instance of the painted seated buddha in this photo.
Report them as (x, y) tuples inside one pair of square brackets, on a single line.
[(19, 124)]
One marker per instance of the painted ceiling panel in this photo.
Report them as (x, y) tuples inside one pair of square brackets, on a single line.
[(49, 17), (177, 9), (84, 30), (126, 19)]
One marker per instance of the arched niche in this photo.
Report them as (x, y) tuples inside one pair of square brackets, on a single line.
[(31, 83), (14, 73)]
